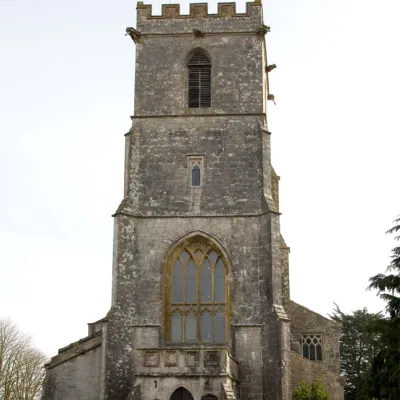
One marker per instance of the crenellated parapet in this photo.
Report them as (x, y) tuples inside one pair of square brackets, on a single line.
[(226, 16), (197, 10)]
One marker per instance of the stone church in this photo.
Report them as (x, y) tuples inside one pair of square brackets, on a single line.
[(201, 307)]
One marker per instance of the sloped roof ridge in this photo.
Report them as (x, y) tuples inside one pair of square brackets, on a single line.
[(314, 312)]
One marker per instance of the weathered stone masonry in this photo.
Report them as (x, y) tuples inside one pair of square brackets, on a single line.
[(132, 353)]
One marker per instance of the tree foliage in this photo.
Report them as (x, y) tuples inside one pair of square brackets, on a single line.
[(311, 391), (385, 370), (358, 347), (21, 366)]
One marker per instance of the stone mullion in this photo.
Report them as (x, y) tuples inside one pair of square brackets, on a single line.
[(198, 298), (184, 299), (212, 299)]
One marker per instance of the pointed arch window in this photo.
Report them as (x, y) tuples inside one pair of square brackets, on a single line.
[(197, 296), (199, 80)]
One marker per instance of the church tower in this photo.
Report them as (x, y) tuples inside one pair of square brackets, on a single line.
[(200, 294), (197, 276)]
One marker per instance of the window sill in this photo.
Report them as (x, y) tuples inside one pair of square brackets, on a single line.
[(199, 110)]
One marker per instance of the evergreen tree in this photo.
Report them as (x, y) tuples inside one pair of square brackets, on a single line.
[(385, 371), (358, 347)]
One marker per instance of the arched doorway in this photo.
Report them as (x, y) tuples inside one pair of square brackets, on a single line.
[(209, 397), (181, 394)]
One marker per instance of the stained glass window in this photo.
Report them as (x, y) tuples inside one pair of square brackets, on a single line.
[(197, 306)]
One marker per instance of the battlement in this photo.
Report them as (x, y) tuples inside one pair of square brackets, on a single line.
[(171, 21), (197, 10)]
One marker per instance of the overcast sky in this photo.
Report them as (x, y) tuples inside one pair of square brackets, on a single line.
[(66, 94)]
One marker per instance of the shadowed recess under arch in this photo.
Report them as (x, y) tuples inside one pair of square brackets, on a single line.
[(209, 397), (181, 394)]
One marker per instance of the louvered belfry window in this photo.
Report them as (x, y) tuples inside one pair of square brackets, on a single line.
[(199, 69)]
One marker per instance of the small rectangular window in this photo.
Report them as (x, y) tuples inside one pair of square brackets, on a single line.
[(196, 175), (195, 168)]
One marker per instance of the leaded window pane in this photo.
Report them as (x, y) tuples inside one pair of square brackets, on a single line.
[(212, 255), (196, 176), (184, 256), (177, 283), (206, 327), (191, 282), (176, 328), (219, 327), (191, 328), (219, 282), (305, 351), (319, 352), (312, 353), (206, 282)]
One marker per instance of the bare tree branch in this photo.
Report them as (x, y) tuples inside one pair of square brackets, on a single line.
[(21, 366)]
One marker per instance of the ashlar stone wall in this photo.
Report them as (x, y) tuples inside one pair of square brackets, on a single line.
[(140, 292), (75, 373), (236, 53), (158, 168), (306, 370)]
